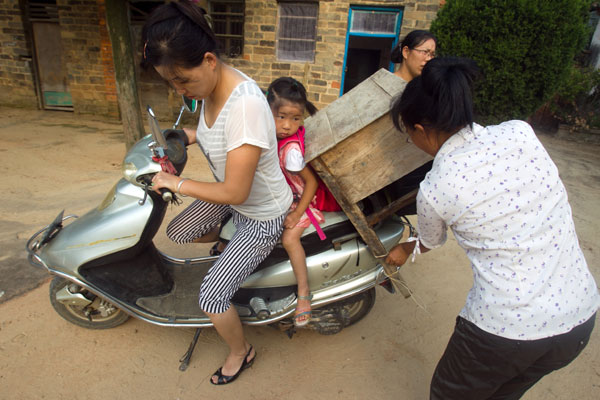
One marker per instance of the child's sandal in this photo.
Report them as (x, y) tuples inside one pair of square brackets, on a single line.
[(303, 312)]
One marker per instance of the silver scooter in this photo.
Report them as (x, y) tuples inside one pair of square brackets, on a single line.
[(107, 267)]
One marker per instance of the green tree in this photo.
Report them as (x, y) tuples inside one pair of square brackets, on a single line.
[(525, 49)]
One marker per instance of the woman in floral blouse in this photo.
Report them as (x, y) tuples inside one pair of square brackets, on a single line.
[(532, 306)]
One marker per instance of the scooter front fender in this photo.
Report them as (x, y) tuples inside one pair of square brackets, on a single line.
[(117, 224)]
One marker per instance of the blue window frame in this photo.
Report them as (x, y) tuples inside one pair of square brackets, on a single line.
[(374, 22)]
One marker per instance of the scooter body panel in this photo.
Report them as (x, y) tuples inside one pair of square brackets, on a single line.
[(321, 267), (348, 259), (116, 225)]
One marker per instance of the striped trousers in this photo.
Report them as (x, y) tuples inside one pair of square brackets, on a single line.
[(252, 242)]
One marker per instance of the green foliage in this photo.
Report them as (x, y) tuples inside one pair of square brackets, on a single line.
[(577, 101), (525, 49)]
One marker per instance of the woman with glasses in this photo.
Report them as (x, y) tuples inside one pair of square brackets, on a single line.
[(532, 306), (417, 48)]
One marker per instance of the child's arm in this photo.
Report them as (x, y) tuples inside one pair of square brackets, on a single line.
[(310, 188)]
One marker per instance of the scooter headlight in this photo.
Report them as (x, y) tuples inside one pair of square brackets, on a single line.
[(129, 171)]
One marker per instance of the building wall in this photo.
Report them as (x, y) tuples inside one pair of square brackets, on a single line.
[(17, 87), (323, 77), (87, 53)]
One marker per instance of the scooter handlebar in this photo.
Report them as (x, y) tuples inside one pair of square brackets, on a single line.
[(166, 194)]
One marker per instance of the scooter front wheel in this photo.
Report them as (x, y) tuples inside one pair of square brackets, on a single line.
[(82, 308)]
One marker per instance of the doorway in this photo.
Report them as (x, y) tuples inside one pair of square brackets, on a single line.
[(52, 76), (372, 33)]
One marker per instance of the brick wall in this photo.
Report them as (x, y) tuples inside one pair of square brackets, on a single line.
[(323, 77), (108, 66), (88, 56), (17, 87), (86, 52)]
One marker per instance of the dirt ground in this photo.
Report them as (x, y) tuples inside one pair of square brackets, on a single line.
[(54, 161)]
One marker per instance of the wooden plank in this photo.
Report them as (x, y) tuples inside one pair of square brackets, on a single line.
[(371, 159), (319, 136), (354, 147), (350, 113), (392, 208), (372, 97), (389, 83), (358, 219), (340, 115), (354, 213), (365, 103)]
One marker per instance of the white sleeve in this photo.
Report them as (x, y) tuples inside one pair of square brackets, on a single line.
[(432, 228), (294, 161), (249, 121)]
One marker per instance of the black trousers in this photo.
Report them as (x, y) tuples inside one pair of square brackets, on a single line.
[(478, 365)]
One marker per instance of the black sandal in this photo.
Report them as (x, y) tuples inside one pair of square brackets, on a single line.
[(214, 251), (225, 379)]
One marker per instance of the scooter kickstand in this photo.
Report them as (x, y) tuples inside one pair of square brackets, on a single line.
[(185, 360)]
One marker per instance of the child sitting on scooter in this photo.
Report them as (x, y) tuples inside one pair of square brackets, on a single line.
[(288, 101)]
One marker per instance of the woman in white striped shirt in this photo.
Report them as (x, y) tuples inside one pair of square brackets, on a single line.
[(236, 132)]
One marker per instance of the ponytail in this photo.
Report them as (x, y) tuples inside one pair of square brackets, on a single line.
[(441, 97)]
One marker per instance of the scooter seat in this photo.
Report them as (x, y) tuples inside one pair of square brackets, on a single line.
[(336, 225), (331, 219)]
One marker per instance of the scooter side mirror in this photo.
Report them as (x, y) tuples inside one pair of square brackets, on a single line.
[(190, 104)]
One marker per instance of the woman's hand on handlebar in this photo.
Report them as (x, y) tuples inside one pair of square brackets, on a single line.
[(165, 180)]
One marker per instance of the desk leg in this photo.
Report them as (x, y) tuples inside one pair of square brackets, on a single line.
[(359, 220)]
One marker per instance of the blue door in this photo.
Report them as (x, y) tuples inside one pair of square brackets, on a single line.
[(371, 35)]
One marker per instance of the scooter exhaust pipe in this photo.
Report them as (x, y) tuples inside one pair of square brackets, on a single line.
[(259, 306)]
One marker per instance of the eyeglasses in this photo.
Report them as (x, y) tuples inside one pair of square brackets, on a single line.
[(426, 53)]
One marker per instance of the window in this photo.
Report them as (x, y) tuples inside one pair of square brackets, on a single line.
[(228, 25), (297, 32), (374, 22), (43, 10)]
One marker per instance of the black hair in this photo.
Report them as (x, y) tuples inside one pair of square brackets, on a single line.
[(177, 35), (441, 97), (288, 89), (412, 40)]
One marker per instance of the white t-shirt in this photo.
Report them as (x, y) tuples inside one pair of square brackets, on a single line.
[(247, 119), (294, 161), (501, 194)]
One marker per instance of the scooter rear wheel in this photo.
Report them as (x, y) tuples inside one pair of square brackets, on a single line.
[(100, 314), (358, 306)]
